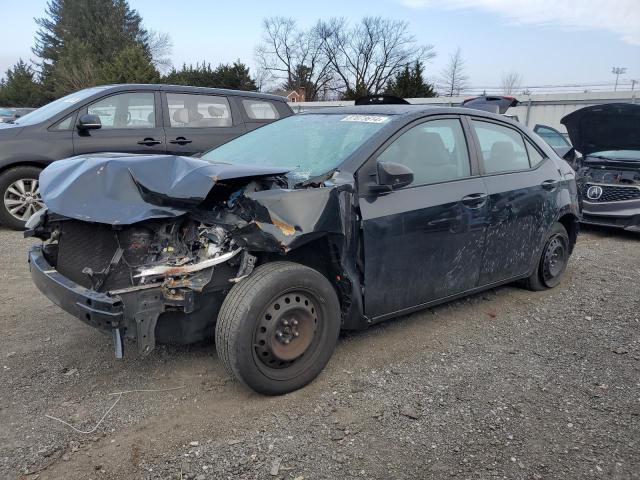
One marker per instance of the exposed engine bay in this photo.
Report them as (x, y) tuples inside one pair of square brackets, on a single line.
[(163, 251), (609, 175)]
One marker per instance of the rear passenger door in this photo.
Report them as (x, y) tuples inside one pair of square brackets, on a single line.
[(423, 242), (521, 189), (197, 122)]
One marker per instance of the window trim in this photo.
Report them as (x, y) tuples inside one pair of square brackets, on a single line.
[(156, 106), (480, 157), (368, 169), (166, 115)]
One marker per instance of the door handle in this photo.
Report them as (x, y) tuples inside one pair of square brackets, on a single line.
[(474, 200), (181, 141), (149, 142), (549, 185)]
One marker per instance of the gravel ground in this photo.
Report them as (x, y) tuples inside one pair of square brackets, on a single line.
[(507, 384)]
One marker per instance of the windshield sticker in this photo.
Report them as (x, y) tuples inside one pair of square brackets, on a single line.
[(365, 118)]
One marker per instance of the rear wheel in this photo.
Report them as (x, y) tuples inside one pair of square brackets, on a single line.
[(553, 260), (277, 329), (20, 192)]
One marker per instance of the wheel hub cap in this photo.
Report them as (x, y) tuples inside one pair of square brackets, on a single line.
[(22, 198)]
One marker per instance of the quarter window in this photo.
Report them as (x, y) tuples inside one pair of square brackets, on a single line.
[(502, 148), (534, 155), (259, 109), (64, 124), (126, 110), (198, 111), (435, 151)]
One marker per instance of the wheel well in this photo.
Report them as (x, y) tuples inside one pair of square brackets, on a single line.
[(314, 255), (571, 224), (21, 164)]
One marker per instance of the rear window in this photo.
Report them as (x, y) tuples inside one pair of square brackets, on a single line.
[(260, 109)]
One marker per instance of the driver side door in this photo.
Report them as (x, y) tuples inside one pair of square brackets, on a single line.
[(131, 123), (424, 242)]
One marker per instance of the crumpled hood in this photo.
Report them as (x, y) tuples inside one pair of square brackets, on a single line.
[(614, 126), (115, 188)]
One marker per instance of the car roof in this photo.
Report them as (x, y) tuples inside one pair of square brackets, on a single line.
[(189, 89), (404, 111)]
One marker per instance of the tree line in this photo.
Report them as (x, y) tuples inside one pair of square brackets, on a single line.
[(83, 43)]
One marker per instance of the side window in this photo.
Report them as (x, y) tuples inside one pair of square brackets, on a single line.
[(198, 111), (534, 155), (126, 110), (502, 148), (436, 151), (259, 109)]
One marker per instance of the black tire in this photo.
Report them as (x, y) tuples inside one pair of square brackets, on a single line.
[(553, 260), (255, 333), (7, 179)]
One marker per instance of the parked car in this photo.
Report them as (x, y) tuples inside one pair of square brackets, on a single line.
[(608, 171), (328, 220), (556, 140), (156, 119), (8, 115)]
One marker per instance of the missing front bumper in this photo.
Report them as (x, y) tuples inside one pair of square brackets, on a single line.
[(132, 312)]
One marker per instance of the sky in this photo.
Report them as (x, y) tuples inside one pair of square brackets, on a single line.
[(549, 42)]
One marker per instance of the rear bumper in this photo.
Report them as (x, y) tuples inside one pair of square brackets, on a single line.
[(625, 215), (93, 308)]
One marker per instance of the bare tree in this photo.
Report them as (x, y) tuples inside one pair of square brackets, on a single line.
[(364, 57), (510, 82), (293, 57), (160, 47), (453, 79)]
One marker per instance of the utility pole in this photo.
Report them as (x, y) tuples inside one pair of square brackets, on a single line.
[(617, 71), (633, 84)]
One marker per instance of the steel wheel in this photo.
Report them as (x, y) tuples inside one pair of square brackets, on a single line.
[(286, 330), (554, 260), (22, 198)]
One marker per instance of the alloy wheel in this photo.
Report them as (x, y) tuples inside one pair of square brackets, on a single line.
[(22, 198)]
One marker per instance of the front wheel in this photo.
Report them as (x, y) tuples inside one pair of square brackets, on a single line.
[(553, 260), (20, 196), (277, 329)]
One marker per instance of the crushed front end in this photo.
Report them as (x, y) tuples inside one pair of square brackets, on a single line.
[(165, 276)]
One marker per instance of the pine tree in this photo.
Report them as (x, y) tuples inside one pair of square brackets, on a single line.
[(19, 88), (78, 38), (235, 76), (409, 83), (130, 66)]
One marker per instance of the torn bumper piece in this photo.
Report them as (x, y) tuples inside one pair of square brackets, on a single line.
[(132, 312)]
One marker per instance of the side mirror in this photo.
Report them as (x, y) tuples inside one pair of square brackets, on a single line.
[(393, 175), (89, 122)]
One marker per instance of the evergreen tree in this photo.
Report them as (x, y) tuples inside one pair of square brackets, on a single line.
[(409, 83), (130, 65), (235, 76), (77, 39), (19, 88)]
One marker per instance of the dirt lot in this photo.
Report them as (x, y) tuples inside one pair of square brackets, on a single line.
[(506, 384)]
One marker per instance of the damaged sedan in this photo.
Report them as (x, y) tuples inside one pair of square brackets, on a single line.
[(279, 239), (608, 172)]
